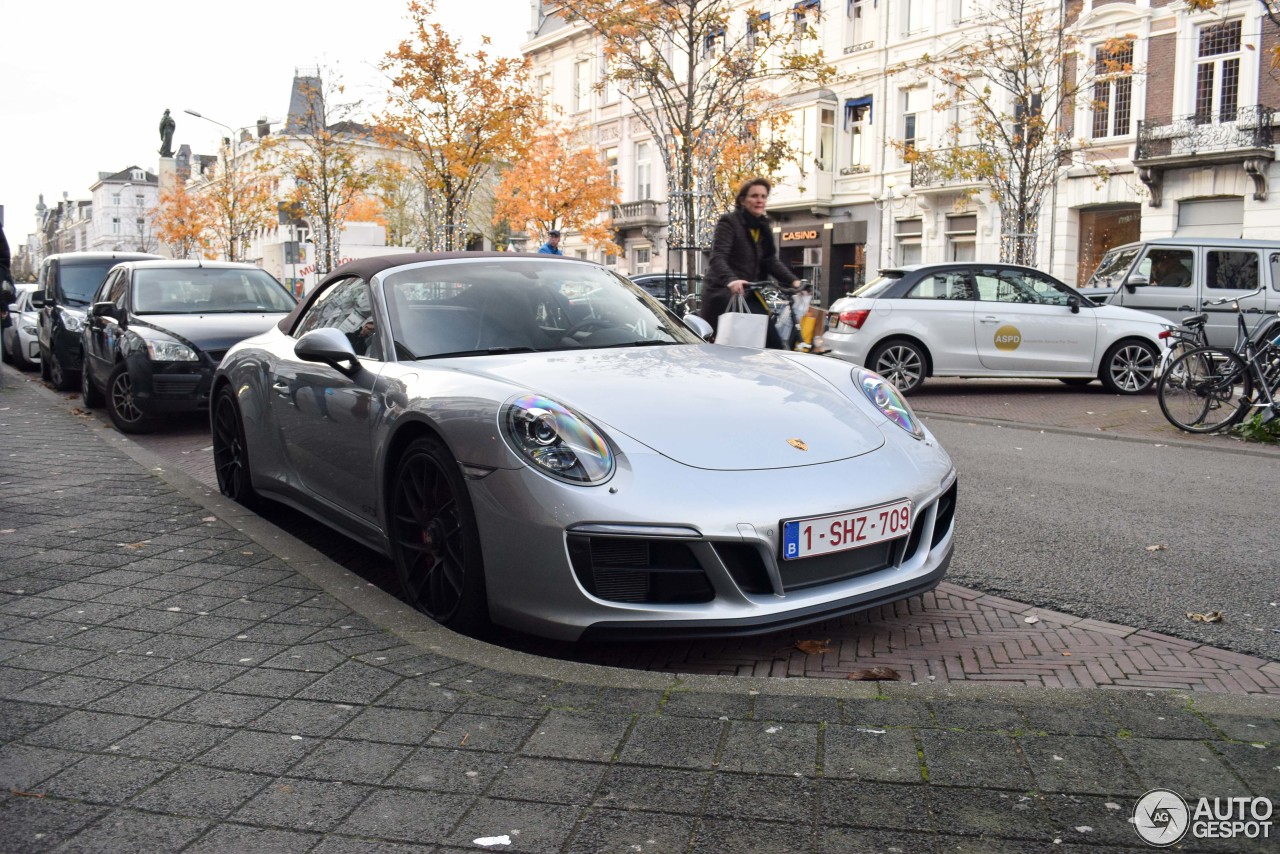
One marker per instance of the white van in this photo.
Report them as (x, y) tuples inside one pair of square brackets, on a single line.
[(1174, 276)]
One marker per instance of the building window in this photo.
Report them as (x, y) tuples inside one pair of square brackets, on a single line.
[(855, 26), (826, 139), (640, 260), (713, 42), (805, 14), (610, 83), (582, 86), (857, 121), (543, 88), (965, 10), (962, 235), (611, 164), (1113, 92), (913, 103), (1218, 73), (913, 17), (115, 199), (757, 25), (909, 233), (139, 200), (644, 171), (115, 225)]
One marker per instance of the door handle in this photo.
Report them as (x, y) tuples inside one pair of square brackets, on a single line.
[(990, 320), (281, 388)]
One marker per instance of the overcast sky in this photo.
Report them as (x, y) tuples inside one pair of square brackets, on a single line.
[(83, 85)]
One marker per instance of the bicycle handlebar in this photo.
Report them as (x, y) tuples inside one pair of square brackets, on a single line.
[(1226, 300)]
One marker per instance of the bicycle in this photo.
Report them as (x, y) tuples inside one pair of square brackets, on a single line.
[(1209, 389), (1180, 339)]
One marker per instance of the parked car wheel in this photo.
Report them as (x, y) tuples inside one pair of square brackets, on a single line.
[(121, 405), (1075, 382), (1129, 367), (62, 379), (89, 393), (901, 362), (230, 454), (434, 539)]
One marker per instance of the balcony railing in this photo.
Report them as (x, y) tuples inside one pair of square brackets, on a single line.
[(633, 214), (1246, 128), (926, 173), (1243, 137)]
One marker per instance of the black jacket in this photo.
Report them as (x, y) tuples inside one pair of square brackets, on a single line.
[(734, 255)]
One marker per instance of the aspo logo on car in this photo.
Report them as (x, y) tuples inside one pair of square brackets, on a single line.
[(1008, 338), (1161, 817)]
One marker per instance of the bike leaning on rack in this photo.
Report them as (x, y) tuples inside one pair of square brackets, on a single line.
[(1209, 389)]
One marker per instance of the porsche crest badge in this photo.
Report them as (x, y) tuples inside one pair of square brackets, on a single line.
[(798, 444)]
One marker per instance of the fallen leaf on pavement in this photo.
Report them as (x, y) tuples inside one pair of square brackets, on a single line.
[(1066, 653), (26, 794), (1161, 548), (814, 647), (1207, 617), (137, 545), (872, 674), (209, 519)]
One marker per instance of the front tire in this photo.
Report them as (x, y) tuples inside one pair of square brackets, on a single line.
[(62, 379), (89, 394), (434, 539), (122, 406), (902, 363), (1203, 391), (1129, 367), (231, 452)]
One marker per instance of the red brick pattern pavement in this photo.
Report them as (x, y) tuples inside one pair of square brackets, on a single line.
[(951, 634)]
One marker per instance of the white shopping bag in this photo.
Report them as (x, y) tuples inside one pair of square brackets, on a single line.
[(740, 328)]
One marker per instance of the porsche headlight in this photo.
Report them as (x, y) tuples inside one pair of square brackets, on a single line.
[(885, 397), (71, 321), (557, 440), (170, 351)]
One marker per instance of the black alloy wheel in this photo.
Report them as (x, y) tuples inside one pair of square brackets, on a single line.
[(1129, 367), (89, 394), (434, 539), (122, 406), (902, 363), (62, 379), (230, 452)]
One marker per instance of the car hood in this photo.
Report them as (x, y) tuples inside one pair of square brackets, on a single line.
[(209, 331), (709, 407), (1120, 314)]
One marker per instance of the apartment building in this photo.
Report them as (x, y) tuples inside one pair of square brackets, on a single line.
[(1184, 142)]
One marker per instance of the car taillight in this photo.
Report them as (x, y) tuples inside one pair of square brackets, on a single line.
[(1165, 333), (855, 318)]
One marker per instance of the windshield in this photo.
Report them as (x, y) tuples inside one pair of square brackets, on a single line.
[(1113, 265), (80, 280), (208, 290), (521, 305), (879, 284)]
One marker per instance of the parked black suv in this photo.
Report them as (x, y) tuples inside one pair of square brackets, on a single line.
[(66, 286)]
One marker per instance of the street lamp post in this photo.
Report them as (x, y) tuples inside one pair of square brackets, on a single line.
[(887, 202)]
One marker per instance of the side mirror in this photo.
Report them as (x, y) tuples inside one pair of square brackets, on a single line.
[(330, 347), (699, 326), (37, 299), (1073, 302), (1136, 281), (103, 309)]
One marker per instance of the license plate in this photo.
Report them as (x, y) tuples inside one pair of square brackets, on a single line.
[(822, 535)]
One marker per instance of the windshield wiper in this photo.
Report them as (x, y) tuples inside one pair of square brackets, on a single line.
[(492, 351), (636, 344)]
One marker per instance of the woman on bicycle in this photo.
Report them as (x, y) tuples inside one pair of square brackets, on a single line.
[(743, 251)]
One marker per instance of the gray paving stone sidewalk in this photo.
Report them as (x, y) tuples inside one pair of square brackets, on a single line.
[(178, 675)]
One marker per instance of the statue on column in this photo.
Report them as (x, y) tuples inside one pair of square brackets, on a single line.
[(167, 125)]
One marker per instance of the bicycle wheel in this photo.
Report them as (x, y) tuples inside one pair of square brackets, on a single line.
[(1205, 390)]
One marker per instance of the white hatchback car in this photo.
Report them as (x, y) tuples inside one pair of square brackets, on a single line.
[(21, 344), (991, 320)]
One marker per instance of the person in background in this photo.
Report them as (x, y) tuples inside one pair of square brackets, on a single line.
[(552, 246), (743, 251)]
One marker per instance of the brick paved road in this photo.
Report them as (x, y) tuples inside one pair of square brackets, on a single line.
[(952, 634)]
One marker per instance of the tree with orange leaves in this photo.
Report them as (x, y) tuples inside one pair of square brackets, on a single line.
[(182, 222), (556, 186), (458, 116), (239, 196), (697, 75), (320, 152)]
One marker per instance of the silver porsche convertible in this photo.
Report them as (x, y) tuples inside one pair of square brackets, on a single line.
[(537, 442)]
